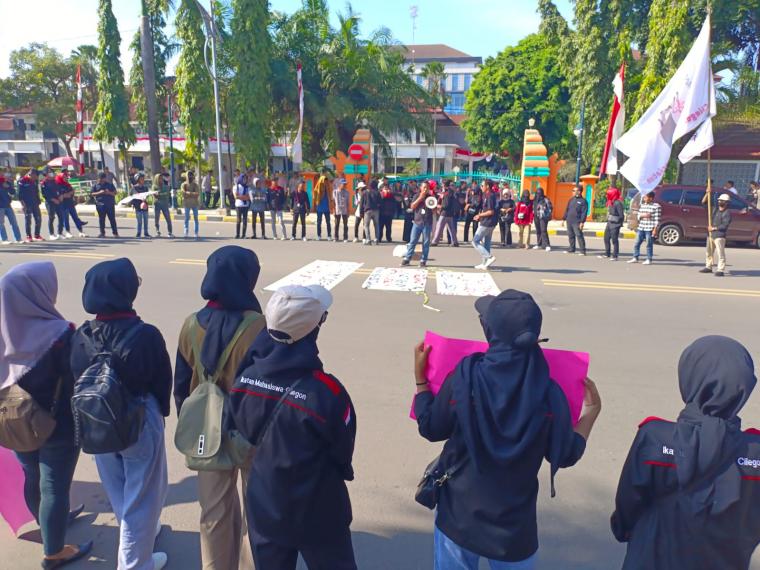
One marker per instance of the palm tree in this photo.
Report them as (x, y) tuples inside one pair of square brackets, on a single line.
[(434, 74)]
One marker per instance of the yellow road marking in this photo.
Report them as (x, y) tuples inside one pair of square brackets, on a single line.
[(73, 255), (651, 288)]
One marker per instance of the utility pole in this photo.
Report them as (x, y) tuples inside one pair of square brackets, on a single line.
[(413, 10), (170, 110), (579, 134)]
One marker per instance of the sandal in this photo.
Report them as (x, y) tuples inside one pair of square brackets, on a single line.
[(82, 551)]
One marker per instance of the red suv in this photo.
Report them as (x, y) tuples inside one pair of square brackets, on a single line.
[(684, 217)]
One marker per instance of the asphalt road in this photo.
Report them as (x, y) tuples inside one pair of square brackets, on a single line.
[(634, 320)]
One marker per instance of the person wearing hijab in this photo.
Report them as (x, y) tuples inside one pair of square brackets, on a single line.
[(35, 342), (506, 217), (134, 479), (542, 215), (303, 424), (500, 415), (615, 217), (524, 218), (231, 275), (689, 489)]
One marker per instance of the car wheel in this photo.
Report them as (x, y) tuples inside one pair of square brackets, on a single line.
[(757, 241), (670, 234)]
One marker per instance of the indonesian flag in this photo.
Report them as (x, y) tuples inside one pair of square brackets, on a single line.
[(297, 144), (615, 129), (684, 105), (80, 122)]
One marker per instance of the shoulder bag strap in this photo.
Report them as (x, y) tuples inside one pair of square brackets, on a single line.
[(249, 318), (193, 330), (275, 411)]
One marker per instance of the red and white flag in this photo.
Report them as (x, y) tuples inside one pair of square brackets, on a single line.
[(80, 122), (615, 129), (297, 144)]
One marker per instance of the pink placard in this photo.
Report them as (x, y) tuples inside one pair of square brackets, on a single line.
[(12, 505), (566, 367)]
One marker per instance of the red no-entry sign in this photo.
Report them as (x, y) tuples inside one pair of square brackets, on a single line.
[(356, 151)]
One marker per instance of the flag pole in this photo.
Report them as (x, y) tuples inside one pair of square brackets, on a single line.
[(709, 156)]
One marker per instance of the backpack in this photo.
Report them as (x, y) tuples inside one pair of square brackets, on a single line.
[(201, 435), (107, 417), (25, 425)]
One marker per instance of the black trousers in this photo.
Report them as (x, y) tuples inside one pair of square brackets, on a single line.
[(110, 213), (242, 217), (335, 553), (326, 216), (32, 211), (467, 221), (505, 229), (296, 217), (574, 232), (53, 210), (338, 218), (253, 223), (611, 238), (542, 233), (408, 222), (357, 221), (386, 223)]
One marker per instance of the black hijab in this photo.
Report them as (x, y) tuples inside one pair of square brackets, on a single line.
[(525, 198), (503, 396), (231, 275), (110, 287), (716, 375)]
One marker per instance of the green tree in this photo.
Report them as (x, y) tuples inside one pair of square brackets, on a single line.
[(195, 93), (250, 100), (435, 77), (112, 112), (521, 82)]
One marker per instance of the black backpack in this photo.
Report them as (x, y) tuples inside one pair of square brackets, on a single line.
[(107, 418)]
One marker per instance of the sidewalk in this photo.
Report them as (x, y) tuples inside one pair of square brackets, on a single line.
[(591, 229)]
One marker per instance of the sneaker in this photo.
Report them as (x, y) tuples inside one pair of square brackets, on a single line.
[(633, 260), (569, 251), (581, 253), (719, 274), (404, 261), (305, 239), (706, 270), (282, 238), (116, 235), (489, 262), (39, 238), (159, 560), (147, 236), (344, 241), (5, 242), (253, 237), (536, 247), (602, 257), (356, 240), (480, 266), (423, 263), (647, 262), (54, 237), (292, 239), (84, 223), (548, 248), (101, 236), (364, 242), (171, 235), (613, 258), (197, 237), (455, 245), (67, 235), (27, 240), (82, 234), (158, 234), (263, 237)]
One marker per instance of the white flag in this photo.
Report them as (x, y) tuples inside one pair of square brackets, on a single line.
[(701, 140), (297, 144), (686, 102)]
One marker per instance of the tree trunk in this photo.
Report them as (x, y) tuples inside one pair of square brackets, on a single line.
[(149, 83)]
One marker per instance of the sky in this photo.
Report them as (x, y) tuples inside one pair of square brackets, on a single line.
[(477, 27)]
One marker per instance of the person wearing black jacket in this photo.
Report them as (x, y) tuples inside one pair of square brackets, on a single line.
[(500, 415), (449, 209), (408, 196), (716, 240), (6, 211), (689, 489), (105, 203), (574, 218), (615, 217), (371, 211), (506, 217), (388, 208), (52, 196), (35, 343), (471, 209), (135, 479), (300, 208), (29, 195), (303, 424)]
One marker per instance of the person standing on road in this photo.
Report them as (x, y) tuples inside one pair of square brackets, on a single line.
[(487, 219), (6, 212), (649, 221), (423, 224), (371, 207), (29, 195), (68, 207), (323, 205), (35, 341), (140, 205), (207, 191), (615, 217), (190, 198), (135, 479), (276, 200), (242, 204), (359, 193), (105, 204), (688, 489), (341, 199), (388, 207), (500, 415), (303, 424), (449, 208), (52, 195), (471, 209), (716, 238), (301, 207), (506, 217), (224, 329), (258, 204), (574, 219), (161, 201), (542, 215), (524, 219)]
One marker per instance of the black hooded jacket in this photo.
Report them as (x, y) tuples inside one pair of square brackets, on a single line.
[(689, 491), (297, 494), (110, 289), (502, 412)]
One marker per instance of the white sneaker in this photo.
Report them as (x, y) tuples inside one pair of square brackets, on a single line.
[(536, 247), (548, 248), (364, 242), (67, 235), (489, 262), (633, 260), (480, 266), (305, 239), (345, 241), (292, 239), (159, 560), (6, 242), (647, 262), (82, 234), (170, 235), (356, 240), (54, 237), (602, 257), (282, 238)]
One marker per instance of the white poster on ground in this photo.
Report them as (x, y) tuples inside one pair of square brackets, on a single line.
[(396, 279), (325, 273), (465, 284)]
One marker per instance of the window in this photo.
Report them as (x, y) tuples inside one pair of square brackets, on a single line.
[(693, 198), (455, 82), (467, 80), (670, 196), (420, 80)]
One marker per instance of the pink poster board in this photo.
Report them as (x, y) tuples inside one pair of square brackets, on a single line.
[(566, 367), (12, 505)]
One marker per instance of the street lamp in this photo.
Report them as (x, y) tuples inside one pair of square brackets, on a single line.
[(456, 170), (531, 122)]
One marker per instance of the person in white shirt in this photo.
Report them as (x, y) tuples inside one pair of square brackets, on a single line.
[(729, 187)]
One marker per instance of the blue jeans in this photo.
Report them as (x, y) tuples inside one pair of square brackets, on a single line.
[(641, 235), (47, 480), (158, 209), (8, 213), (194, 210), (419, 230), (481, 241), (136, 482), (142, 222), (450, 556), (67, 209)]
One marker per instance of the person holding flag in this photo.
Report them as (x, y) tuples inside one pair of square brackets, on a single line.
[(716, 239)]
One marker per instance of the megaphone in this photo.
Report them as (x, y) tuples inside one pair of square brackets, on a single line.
[(431, 202)]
